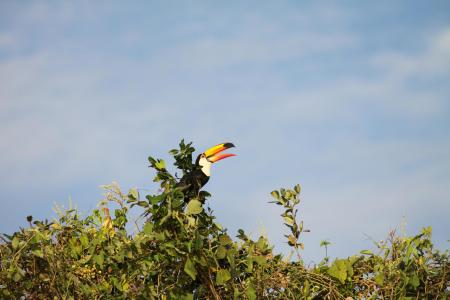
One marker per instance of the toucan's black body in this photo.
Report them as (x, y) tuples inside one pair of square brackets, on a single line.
[(192, 182)]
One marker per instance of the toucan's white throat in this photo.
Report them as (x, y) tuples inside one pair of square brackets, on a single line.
[(206, 166)]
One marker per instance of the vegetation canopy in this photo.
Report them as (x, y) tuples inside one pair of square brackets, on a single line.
[(182, 252)]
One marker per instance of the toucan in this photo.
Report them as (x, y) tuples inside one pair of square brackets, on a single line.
[(192, 182)]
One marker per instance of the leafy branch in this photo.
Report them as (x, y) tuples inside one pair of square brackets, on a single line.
[(289, 200)]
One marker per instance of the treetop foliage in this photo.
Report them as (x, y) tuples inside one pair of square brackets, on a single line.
[(182, 252)]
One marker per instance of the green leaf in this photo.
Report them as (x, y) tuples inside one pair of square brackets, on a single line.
[(187, 296), (297, 188), (366, 252), (324, 243), (198, 242), (249, 265), (189, 268), (414, 281), (339, 270), (160, 164), (177, 202), (241, 235), (251, 293), (154, 199), (194, 207), (160, 236), (85, 259), (143, 203), (225, 239), (222, 276), (99, 259), (15, 242), (116, 283), (260, 260), (292, 241), (288, 194), (221, 252), (202, 261), (38, 253), (261, 244), (17, 277), (148, 228), (219, 226), (84, 240), (307, 288), (171, 252), (236, 293), (379, 279), (191, 221), (288, 220), (275, 194), (134, 193)]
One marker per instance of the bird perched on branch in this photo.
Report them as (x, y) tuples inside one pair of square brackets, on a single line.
[(192, 182)]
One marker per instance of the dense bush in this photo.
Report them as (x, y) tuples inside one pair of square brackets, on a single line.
[(181, 252)]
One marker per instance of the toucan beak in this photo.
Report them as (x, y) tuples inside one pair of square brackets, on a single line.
[(213, 153)]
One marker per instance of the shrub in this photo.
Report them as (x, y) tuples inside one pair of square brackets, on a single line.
[(181, 252)]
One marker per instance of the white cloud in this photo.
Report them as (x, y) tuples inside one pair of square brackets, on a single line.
[(434, 60)]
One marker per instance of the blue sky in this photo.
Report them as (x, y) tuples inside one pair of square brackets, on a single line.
[(349, 99)]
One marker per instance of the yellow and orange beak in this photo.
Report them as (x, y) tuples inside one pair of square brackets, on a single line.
[(213, 153)]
